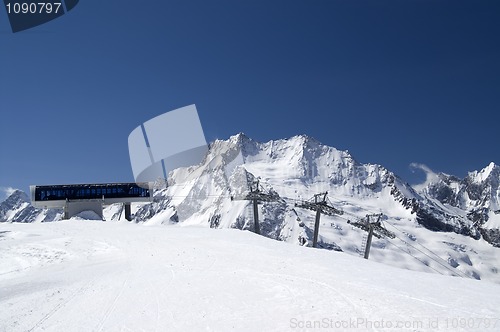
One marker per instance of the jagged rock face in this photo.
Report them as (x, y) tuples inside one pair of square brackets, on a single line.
[(15, 202), (17, 208), (477, 190), (445, 190), (477, 195)]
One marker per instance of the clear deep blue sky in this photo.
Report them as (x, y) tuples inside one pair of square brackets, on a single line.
[(394, 82)]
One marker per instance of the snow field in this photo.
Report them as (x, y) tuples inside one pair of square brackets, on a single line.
[(115, 276)]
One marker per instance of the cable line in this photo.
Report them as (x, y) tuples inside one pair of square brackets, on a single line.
[(300, 202)]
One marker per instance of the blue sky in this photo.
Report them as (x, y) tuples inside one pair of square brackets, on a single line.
[(394, 82)]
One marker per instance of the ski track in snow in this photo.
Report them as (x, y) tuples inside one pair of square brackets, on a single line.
[(111, 307), (355, 308), (62, 304)]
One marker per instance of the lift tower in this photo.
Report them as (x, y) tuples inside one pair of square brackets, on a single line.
[(258, 195), (318, 203), (373, 228)]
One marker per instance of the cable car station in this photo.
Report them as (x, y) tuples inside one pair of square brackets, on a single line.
[(77, 198)]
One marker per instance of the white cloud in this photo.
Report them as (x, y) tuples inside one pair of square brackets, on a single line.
[(6, 192), (430, 175)]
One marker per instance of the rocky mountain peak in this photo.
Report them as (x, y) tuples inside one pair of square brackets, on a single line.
[(489, 173)]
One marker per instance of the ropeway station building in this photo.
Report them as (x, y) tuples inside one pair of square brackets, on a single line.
[(150, 159), (77, 198)]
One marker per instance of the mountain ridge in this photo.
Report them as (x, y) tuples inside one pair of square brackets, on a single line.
[(211, 195), (342, 170)]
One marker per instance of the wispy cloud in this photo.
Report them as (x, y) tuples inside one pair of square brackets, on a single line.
[(6, 192), (430, 175)]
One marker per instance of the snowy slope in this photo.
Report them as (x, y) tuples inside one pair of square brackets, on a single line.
[(103, 276)]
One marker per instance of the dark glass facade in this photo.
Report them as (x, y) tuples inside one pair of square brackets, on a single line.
[(90, 191)]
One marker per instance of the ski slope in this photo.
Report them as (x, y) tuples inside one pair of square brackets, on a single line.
[(82, 275)]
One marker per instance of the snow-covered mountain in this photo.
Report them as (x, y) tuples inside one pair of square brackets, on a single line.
[(477, 198), (296, 169), (17, 208), (436, 226)]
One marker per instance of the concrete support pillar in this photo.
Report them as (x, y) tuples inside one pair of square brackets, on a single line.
[(66, 211), (128, 213)]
